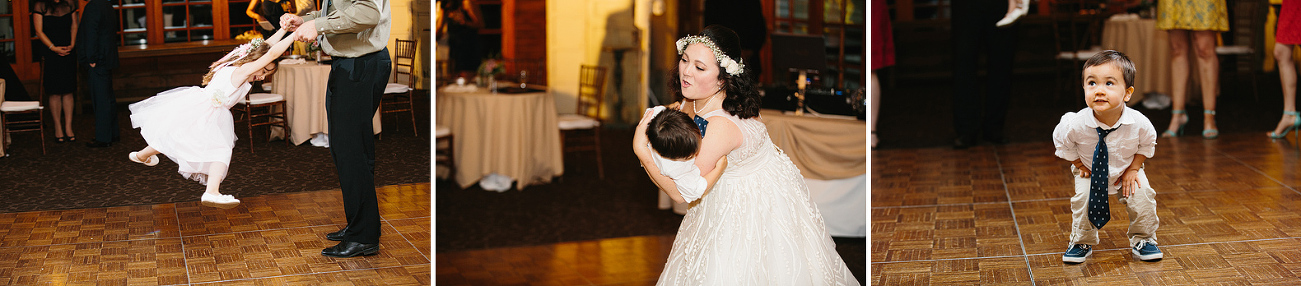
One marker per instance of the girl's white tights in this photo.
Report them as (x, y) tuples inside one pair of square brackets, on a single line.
[(216, 171)]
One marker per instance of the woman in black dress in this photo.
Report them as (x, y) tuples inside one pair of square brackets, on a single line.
[(461, 23), (56, 25)]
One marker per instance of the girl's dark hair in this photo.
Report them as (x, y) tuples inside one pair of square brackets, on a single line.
[(743, 98), (253, 55), (673, 135)]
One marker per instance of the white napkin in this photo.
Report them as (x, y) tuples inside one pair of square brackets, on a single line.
[(685, 175), (1124, 17), (297, 61), (460, 88)]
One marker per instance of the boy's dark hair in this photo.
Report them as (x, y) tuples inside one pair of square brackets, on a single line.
[(1126, 66), (673, 135)]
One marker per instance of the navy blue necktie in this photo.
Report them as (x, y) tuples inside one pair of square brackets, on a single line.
[(700, 122), (1099, 210)]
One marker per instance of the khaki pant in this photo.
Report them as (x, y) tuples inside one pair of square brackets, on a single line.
[(1141, 206)]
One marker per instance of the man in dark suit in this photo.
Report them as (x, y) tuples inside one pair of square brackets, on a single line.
[(98, 51)]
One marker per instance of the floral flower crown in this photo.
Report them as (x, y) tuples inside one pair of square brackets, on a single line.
[(732, 67), (237, 54)]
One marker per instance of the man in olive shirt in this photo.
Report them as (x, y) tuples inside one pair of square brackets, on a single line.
[(354, 33)]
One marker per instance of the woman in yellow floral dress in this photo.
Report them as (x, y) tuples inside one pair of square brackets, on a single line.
[(1200, 19)]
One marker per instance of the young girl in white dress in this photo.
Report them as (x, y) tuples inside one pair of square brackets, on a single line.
[(193, 126), (756, 224)]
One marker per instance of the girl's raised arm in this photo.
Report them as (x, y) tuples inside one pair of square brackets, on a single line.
[(277, 49)]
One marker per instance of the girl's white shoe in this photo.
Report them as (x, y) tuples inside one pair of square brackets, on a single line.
[(151, 161), (1021, 8), (219, 201)]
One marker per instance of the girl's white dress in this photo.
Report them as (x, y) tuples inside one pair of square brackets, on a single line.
[(757, 225), (192, 125)]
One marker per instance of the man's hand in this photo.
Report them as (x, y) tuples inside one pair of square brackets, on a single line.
[(1128, 182), (290, 21), (306, 32)]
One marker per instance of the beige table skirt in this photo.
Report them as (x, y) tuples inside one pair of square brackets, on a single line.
[(1149, 49), (509, 134), (303, 86), (823, 148)]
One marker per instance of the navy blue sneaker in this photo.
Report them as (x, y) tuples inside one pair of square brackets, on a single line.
[(1077, 253), (1147, 251)]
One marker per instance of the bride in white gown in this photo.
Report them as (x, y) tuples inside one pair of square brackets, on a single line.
[(756, 226)]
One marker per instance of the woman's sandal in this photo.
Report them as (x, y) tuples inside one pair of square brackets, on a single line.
[(1183, 120), (1295, 125), (1210, 133)]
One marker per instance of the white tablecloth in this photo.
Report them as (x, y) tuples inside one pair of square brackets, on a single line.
[(512, 135)]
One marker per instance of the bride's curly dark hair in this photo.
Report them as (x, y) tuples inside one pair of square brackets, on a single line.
[(743, 100)]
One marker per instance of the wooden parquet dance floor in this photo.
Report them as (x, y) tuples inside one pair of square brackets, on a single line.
[(1230, 213), (267, 240), (612, 261)]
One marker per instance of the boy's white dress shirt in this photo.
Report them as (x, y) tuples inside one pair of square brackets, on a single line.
[(1076, 137)]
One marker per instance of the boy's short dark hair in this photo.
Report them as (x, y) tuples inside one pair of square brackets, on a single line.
[(1126, 66), (673, 134)]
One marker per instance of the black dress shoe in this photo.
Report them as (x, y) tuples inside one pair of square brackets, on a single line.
[(98, 144), (350, 249), (338, 235)]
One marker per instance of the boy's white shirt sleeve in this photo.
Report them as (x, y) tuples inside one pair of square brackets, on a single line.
[(1147, 136), (1066, 148), (691, 185)]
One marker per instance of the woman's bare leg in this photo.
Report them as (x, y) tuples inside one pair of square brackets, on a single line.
[(876, 103), (1209, 67), (1178, 75), (1286, 74), (68, 106), (56, 111)]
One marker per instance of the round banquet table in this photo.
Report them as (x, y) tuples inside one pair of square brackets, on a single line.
[(515, 135)]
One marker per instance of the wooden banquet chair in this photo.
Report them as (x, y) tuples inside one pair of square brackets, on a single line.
[(398, 95), (582, 131), (14, 116), (443, 155), (258, 109), (1077, 34)]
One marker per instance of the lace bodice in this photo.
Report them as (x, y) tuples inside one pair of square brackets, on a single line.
[(754, 136)]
